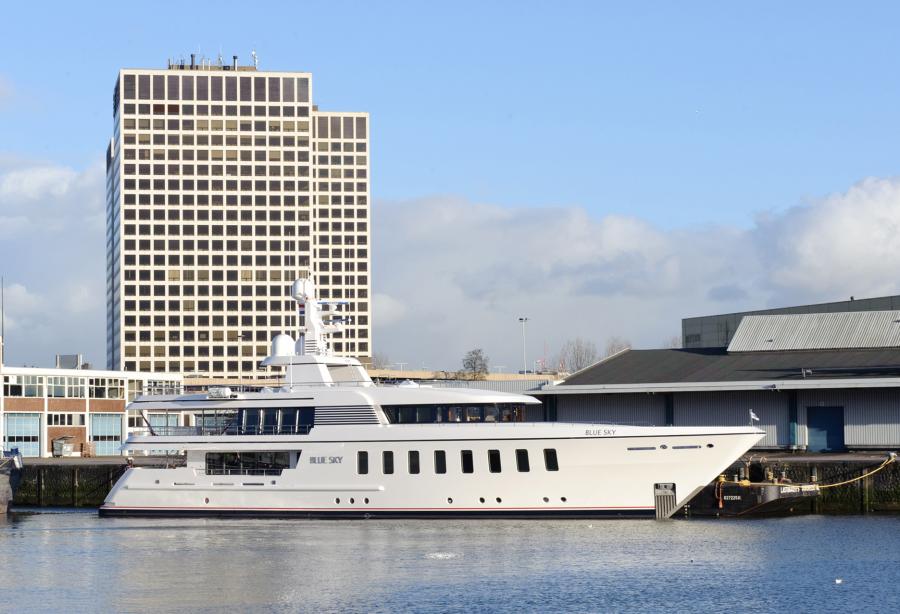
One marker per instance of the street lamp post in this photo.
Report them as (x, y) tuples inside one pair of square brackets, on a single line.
[(523, 320)]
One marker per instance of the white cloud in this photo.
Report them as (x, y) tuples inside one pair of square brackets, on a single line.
[(389, 309), (33, 183), (464, 271), (52, 257), (451, 275), (845, 244)]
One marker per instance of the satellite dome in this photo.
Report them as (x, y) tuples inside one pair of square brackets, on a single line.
[(282, 345)]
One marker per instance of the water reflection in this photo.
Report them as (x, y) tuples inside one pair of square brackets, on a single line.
[(78, 561)]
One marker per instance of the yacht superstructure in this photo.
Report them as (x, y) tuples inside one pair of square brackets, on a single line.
[(330, 443)]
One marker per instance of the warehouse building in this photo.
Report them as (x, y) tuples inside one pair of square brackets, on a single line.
[(816, 381)]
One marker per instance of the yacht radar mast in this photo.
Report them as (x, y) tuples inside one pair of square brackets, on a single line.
[(320, 319), (310, 360)]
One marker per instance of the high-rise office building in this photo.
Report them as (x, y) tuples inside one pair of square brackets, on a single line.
[(224, 182)]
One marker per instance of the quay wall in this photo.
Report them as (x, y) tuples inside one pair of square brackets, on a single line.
[(877, 493)]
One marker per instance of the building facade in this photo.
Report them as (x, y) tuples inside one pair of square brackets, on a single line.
[(812, 381), (223, 183), (718, 330), (39, 405)]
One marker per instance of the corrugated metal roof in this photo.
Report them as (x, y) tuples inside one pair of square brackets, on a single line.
[(817, 331)]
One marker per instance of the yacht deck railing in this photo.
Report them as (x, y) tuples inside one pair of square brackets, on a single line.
[(232, 429)]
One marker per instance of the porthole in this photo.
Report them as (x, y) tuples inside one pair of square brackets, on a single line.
[(481, 499), (563, 499), (366, 500), (337, 500), (664, 447), (206, 500), (157, 481), (449, 499), (709, 445), (499, 500), (351, 500), (546, 500)]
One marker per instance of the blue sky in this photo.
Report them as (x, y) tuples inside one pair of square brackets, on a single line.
[(677, 112), (694, 119)]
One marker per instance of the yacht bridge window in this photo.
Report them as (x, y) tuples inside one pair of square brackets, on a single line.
[(431, 414), (255, 421)]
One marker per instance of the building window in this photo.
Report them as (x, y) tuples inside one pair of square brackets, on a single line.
[(550, 460), (440, 461), (60, 419), (362, 462), (413, 461), (387, 462), (467, 464), (494, 461), (522, 461)]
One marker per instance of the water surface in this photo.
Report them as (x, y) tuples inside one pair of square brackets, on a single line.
[(77, 561)]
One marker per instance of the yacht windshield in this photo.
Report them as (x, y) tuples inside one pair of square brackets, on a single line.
[(432, 414)]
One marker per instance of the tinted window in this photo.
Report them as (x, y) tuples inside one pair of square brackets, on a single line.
[(387, 462), (522, 460), (550, 459), (440, 461), (413, 461), (129, 87), (494, 461), (202, 88), (467, 465), (362, 462), (216, 87)]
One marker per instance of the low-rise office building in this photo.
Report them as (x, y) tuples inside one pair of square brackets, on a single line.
[(40, 405)]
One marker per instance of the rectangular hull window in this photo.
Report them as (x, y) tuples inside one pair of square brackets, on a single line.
[(362, 462), (413, 461), (387, 461), (550, 460), (494, 461), (440, 461), (522, 460), (467, 464)]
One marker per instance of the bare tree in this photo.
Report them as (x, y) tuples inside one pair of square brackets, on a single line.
[(673, 342), (380, 361), (614, 345), (475, 364), (576, 354)]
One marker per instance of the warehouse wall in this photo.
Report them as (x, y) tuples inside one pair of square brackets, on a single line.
[(642, 408), (871, 417), (733, 409)]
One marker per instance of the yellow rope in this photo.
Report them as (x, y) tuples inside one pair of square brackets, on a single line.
[(865, 475)]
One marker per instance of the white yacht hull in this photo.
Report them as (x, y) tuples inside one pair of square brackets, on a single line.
[(603, 470)]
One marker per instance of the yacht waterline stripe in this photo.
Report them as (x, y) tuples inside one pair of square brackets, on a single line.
[(373, 509)]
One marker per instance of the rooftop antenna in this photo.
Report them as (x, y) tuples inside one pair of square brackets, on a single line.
[(219, 58), (254, 58)]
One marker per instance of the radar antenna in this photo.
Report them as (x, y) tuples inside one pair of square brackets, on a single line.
[(254, 58)]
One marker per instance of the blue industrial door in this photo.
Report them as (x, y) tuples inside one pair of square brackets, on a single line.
[(825, 429)]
